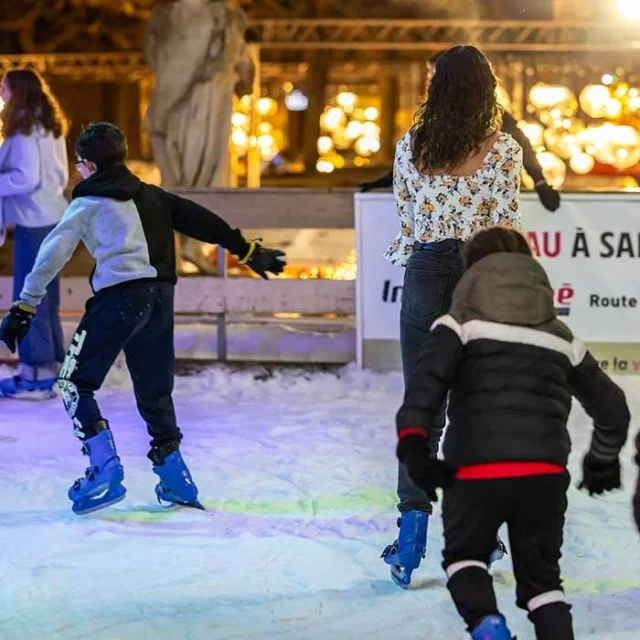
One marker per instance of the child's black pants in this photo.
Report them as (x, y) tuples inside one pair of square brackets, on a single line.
[(533, 507), (136, 318)]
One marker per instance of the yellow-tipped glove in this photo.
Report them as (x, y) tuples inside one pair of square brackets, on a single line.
[(262, 260)]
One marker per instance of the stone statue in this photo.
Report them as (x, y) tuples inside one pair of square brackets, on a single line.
[(198, 51)]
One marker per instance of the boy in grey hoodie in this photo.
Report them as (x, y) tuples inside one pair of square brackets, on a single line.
[(128, 227)]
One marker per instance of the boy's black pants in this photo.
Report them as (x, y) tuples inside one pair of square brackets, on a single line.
[(136, 318), (533, 507)]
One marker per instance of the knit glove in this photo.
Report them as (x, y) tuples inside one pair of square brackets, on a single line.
[(425, 471), (15, 324), (262, 260), (549, 197), (598, 476)]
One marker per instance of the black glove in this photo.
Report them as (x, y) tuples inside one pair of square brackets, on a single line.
[(383, 182), (15, 324), (425, 471), (598, 476), (262, 260), (549, 197)]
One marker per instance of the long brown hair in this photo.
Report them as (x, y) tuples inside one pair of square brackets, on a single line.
[(461, 109), (31, 104)]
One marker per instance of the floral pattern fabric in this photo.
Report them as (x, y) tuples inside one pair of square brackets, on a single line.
[(439, 207)]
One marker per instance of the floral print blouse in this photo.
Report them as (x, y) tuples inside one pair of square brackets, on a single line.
[(438, 207)]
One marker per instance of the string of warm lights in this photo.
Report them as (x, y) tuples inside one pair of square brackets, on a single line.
[(599, 125), (350, 133)]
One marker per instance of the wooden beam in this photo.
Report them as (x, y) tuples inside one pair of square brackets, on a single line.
[(278, 208), (212, 296)]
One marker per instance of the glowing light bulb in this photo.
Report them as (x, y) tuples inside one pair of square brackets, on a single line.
[(594, 99), (347, 100), (324, 166), (325, 144), (553, 168), (613, 108), (582, 163), (267, 106), (629, 9), (239, 119), (332, 119), (266, 141), (371, 113), (534, 131), (239, 138)]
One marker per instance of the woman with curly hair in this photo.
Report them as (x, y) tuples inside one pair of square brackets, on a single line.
[(454, 173), (33, 175)]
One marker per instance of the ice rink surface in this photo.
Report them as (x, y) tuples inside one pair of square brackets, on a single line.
[(297, 471)]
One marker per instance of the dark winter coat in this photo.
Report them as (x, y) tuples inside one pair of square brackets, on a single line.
[(511, 368)]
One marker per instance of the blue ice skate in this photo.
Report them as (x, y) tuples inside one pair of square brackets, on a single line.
[(405, 554), (20, 389), (492, 628), (498, 553), (102, 482), (176, 485)]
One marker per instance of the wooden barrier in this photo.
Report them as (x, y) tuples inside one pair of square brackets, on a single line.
[(212, 296), (220, 296)]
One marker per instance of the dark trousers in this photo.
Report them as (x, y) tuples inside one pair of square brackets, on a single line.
[(533, 507), (429, 280), (136, 318), (43, 347)]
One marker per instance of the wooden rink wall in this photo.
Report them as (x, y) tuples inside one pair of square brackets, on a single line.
[(215, 298), (219, 297)]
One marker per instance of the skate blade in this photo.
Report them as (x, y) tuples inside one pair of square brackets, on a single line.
[(401, 577), (498, 553), (175, 506), (96, 505)]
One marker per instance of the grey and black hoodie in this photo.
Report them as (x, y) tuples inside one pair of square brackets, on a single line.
[(511, 368), (127, 226)]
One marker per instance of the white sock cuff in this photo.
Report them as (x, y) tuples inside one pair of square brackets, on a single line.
[(464, 564), (544, 599)]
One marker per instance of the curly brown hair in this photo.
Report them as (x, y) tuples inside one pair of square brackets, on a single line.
[(459, 113), (31, 104)]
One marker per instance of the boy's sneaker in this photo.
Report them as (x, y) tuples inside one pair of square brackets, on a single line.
[(19, 388)]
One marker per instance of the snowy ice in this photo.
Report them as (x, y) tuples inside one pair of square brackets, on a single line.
[(297, 470)]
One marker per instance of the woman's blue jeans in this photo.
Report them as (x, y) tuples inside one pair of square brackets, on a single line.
[(431, 275), (43, 348)]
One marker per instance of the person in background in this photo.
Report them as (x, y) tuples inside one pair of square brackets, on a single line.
[(549, 197), (127, 226), (510, 368), (454, 173), (33, 175)]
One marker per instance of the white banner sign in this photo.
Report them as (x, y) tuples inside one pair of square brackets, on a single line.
[(590, 248)]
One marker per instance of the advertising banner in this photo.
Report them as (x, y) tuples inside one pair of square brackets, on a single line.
[(590, 248)]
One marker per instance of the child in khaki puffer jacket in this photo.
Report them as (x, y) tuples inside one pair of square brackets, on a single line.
[(510, 368)]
